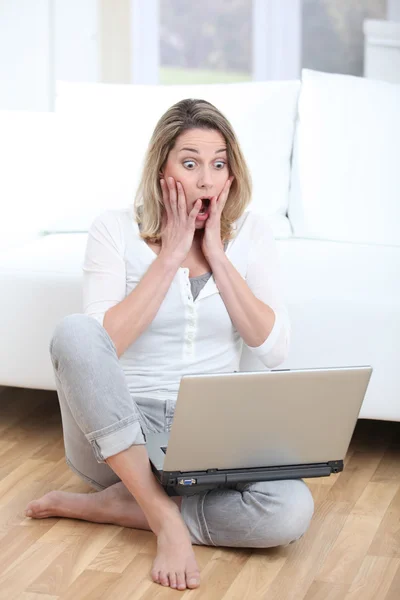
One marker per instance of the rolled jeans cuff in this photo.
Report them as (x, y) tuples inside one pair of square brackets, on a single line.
[(115, 438)]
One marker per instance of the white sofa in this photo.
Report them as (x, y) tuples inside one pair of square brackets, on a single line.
[(323, 153)]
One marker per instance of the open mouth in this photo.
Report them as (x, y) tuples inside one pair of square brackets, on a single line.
[(205, 205)]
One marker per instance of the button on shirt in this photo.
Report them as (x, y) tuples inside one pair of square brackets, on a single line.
[(192, 332)]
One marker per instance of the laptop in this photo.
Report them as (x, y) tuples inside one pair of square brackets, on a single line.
[(240, 427)]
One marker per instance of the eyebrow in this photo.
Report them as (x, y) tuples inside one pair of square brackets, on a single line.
[(197, 152)]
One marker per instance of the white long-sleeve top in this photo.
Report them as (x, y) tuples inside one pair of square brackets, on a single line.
[(187, 336)]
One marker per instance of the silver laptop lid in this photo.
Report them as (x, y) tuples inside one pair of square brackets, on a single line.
[(265, 418)]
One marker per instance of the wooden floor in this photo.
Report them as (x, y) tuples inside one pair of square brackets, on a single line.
[(351, 550)]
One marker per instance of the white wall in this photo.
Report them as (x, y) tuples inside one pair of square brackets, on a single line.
[(76, 38), (114, 47), (276, 40), (26, 67), (393, 10), (41, 41)]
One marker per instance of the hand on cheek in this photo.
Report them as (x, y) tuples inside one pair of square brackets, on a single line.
[(212, 243)]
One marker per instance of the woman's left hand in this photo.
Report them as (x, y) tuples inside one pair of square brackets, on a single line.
[(211, 242)]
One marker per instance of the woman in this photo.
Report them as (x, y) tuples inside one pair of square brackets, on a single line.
[(177, 288)]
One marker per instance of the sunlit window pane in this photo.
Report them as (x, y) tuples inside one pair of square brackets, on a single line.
[(332, 34), (205, 42)]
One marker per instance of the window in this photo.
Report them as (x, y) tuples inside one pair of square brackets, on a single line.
[(332, 34), (205, 42)]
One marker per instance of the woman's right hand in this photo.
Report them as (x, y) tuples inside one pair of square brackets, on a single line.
[(178, 227)]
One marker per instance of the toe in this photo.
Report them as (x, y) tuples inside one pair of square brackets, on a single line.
[(193, 579), (155, 575), (32, 508), (172, 580), (164, 580), (181, 580)]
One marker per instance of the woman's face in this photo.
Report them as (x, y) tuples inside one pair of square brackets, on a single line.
[(199, 162)]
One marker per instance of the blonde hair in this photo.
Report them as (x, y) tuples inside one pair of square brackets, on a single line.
[(183, 116)]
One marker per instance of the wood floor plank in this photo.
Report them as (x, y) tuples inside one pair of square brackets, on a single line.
[(376, 498), (386, 541), (24, 570), (374, 578), (24, 438), (90, 585), (61, 573), (21, 477), (326, 590), (389, 467), (320, 487), (33, 596), (256, 576), (394, 589), (16, 541), (53, 449), (351, 546), (351, 482), (120, 551), (345, 558)]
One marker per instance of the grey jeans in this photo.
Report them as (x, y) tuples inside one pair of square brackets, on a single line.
[(100, 417)]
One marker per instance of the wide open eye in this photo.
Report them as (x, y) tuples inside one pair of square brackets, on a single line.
[(188, 161)]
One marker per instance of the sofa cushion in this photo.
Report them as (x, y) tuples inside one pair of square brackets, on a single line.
[(107, 128), (345, 180)]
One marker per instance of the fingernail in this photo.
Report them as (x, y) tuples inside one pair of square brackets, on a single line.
[(28, 513)]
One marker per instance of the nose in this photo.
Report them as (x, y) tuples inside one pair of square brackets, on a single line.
[(205, 181)]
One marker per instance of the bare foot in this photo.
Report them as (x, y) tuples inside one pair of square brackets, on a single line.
[(175, 564), (114, 505)]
